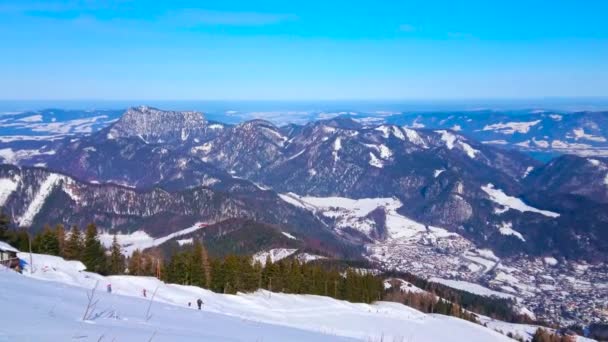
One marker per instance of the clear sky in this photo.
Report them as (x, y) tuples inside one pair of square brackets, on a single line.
[(295, 50)]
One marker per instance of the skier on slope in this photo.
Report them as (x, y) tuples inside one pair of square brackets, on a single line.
[(109, 287), (199, 302)]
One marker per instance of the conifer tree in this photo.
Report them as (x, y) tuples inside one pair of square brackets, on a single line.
[(94, 256), (60, 233), (46, 242), (117, 260), (74, 245), (197, 276), (206, 267), (136, 263)]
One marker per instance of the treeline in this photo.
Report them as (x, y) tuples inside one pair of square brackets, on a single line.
[(494, 307), (193, 266), (234, 273), (545, 335), (72, 245), (427, 302)]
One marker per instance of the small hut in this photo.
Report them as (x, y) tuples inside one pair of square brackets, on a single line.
[(8, 255)]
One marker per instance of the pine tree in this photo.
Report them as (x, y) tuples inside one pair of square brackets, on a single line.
[(117, 260), (94, 256), (60, 233), (196, 265), (206, 267), (136, 263), (74, 245), (46, 242)]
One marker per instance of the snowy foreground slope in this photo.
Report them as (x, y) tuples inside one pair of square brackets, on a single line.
[(48, 306)]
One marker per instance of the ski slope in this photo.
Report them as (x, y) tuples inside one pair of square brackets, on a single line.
[(52, 299)]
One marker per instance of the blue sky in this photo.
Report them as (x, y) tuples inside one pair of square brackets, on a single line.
[(297, 50)]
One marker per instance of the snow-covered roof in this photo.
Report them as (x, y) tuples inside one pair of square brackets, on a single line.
[(8, 248)]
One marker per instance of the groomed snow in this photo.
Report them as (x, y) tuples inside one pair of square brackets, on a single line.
[(510, 202), (55, 308)]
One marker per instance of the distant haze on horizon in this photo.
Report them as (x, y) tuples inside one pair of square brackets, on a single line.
[(299, 107), (186, 49)]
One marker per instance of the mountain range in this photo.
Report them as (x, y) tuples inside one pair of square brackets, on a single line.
[(177, 165)]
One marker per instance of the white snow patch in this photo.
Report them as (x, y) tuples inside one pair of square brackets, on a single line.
[(551, 261), (32, 118), (511, 127), (185, 241), (306, 257), (510, 202), (275, 255), (141, 240), (448, 138), (470, 151), (337, 147), (46, 187), (7, 186), (495, 142), (351, 213), (289, 235), (216, 126), (374, 161), (528, 170), (556, 117), (579, 133), (414, 137), (540, 143), (471, 287), (506, 228)]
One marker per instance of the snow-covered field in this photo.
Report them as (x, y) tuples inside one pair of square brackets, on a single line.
[(48, 305), (509, 202), (129, 243)]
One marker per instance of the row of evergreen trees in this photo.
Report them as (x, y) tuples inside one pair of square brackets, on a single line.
[(427, 302), (71, 246), (193, 266), (234, 273)]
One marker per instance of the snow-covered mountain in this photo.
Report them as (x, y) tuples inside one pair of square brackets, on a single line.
[(440, 177), (543, 133), (401, 196), (35, 196)]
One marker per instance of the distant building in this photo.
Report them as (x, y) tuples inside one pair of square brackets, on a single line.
[(8, 255)]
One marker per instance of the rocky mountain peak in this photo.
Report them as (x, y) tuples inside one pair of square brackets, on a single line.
[(158, 126)]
